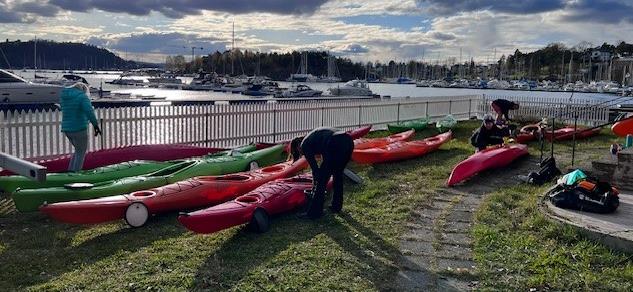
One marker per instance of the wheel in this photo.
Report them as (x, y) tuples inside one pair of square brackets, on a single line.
[(260, 222), (253, 165), (136, 214)]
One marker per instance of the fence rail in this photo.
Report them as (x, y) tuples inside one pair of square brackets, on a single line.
[(37, 133)]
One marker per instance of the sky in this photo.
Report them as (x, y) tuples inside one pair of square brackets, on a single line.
[(362, 30)]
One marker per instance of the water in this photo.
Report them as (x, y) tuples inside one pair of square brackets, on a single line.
[(393, 90)]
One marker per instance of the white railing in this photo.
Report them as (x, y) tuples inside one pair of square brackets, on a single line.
[(34, 133), (588, 111)]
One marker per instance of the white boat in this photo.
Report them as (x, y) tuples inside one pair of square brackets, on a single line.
[(300, 90), (14, 89), (498, 84), (302, 75), (423, 83), (353, 88)]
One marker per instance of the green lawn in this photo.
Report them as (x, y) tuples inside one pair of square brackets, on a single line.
[(357, 250)]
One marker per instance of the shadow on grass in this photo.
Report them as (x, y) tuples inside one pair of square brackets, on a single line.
[(246, 253), (35, 250)]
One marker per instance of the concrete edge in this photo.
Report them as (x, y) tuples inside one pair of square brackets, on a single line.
[(612, 241)]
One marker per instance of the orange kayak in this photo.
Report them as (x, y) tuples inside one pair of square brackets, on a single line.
[(493, 157), (400, 150), (568, 134), (365, 143), (623, 128)]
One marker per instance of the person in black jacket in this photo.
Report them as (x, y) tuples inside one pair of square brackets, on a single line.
[(488, 134), (335, 148), (502, 107)]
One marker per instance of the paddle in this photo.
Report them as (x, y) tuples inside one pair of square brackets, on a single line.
[(352, 176)]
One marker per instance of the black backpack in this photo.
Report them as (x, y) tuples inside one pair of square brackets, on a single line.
[(601, 199), (548, 172)]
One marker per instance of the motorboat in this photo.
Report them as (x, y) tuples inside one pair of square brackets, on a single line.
[(300, 90), (204, 81), (353, 88), (15, 89)]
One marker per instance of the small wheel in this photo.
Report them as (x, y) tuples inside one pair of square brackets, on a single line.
[(136, 214), (253, 165), (260, 222)]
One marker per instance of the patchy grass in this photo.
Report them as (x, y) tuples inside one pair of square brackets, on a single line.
[(357, 250), (517, 248)]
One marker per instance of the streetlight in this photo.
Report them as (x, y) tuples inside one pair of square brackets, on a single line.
[(192, 52)]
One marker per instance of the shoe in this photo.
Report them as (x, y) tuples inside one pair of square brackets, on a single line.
[(335, 210)]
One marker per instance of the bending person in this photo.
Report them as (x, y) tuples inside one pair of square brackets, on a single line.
[(335, 148), (502, 107), (77, 111)]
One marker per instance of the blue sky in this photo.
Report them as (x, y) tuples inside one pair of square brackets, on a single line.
[(366, 30)]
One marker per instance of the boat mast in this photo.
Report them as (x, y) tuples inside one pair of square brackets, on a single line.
[(35, 55)]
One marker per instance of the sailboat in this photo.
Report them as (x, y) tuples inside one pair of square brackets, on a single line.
[(332, 71), (302, 74)]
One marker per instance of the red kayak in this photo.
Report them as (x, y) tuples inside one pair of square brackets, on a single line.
[(355, 133), (365, 143), (272, 198), (99, 158), (400, 150), (197, 192), (568, 134), (528, 133), (623, 127), (493, 157)]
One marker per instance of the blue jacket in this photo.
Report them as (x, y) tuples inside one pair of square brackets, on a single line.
[(76, 110)]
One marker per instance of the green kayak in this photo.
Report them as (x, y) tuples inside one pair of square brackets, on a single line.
[(417, 125), (9, 184), (30, 200), (446, 123)]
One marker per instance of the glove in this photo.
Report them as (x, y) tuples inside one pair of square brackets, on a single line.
[(97, 131)]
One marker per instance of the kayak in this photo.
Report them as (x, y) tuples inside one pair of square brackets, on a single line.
[(99, 158), (528, 133), (446, 123), (273, 198), (493, 157), (417, 125), (364, 143), (10, 184), (623, 128), (30, 200), (568, 134), (400, 150), (198, 192)]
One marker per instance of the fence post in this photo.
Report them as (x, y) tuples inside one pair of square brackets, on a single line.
[(450, 106), (426, 110), (470, 105), (274, 125), (398, 113), (208, 128), (360, 111), (103, 131), (322, 116)]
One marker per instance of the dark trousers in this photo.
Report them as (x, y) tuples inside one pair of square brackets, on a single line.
[(335, 158)]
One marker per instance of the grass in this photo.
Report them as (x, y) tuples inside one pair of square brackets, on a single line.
[(357, 250)]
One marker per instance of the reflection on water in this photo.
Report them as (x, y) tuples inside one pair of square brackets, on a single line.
[(393, 90)]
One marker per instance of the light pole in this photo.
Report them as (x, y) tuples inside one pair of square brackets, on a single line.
[(192, 54)]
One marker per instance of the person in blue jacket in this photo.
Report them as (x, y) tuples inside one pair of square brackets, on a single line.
[(77, 111)]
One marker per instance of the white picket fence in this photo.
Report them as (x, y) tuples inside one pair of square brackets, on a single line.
[(37, 133), (588, 112)]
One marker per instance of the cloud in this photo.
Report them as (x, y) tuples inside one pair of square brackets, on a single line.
[(448, 7), (603, 11), (158, 43), (38, 8), (181, 8), (354, 49)]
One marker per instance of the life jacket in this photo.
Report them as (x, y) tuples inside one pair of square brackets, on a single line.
[(588, 196)]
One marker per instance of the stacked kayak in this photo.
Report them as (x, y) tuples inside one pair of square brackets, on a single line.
[(493, 157), (270, 199), (446, 123), (197, 192), (528, 133), (623, 127), (568, 134), (400, 150), (418, 125), (365, 143), (30, 200), (356, 134), (94, 159), (10, 184)]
